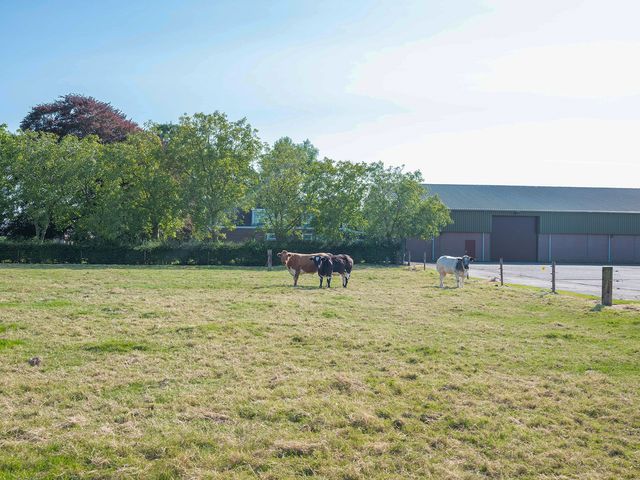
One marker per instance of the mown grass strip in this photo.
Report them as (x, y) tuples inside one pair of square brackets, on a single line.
[(6, 343)]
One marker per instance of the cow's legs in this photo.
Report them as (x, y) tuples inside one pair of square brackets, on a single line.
[(346, 279), (442, 275), (458, 279), (295, 279), (329, 281), (321, 277)]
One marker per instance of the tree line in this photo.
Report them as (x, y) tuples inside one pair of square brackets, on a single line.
[(78, 168)]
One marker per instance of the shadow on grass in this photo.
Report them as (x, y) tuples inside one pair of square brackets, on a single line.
[(290, 287), (437, 287)]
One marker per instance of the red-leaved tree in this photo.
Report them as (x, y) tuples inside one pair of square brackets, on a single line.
[(79, 115)]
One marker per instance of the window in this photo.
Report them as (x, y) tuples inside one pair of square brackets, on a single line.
[(270, 237), (257, 216), (307, 218)]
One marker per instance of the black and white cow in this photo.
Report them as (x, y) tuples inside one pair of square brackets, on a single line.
[(343, 264), (458, 266), (324, 264)]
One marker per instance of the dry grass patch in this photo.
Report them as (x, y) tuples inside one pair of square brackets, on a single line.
[(295, 448), (224, 373)]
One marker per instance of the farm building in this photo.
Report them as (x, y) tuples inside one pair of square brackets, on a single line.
[(537, 224), (248, 228)]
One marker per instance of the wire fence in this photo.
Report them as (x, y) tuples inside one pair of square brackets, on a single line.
[(620, 281), (625, 280)]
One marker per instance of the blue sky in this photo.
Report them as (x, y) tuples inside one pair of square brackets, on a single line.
[(486, 91)]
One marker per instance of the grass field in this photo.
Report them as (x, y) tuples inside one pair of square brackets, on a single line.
[(233, 373)]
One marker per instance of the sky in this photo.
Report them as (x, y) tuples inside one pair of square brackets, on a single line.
[(507, 92)]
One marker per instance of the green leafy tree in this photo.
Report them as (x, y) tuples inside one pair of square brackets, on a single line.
[(431, 217), (135, 196), (8, 147), (164, 131), (397, 207), (336, 191), (282, 177), (47, 177), (213, 159)]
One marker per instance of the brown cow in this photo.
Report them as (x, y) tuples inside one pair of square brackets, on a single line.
[(298, 263)]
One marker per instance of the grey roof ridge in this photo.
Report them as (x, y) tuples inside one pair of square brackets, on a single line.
[(526, 186), (546, 210)]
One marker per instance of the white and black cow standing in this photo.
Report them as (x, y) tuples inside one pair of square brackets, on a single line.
[(342, 264), (458, 266), (324, 265)]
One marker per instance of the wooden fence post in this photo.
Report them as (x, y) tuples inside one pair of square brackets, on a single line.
[(501, 272), (424, 261), (269, 259), (553, 277), (409, 258), (607, 286)]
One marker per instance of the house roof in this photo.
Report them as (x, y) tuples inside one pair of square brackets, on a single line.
[(537, 199)]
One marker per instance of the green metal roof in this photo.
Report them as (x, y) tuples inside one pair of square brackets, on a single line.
[(537, 199), (612, 223)]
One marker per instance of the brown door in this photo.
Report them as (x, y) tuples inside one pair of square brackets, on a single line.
[(515, 239), (470, 248)]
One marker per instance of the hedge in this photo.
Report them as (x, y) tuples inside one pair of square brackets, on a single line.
[(247, 254)]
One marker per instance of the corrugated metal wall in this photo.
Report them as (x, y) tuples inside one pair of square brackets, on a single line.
[(562, 247), (469, 221), (552, 222), (449, 244), (595, 223)]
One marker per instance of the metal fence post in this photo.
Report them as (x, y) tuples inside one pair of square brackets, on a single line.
[(501, 272), (607, 286), (553, 277), (269, 259)]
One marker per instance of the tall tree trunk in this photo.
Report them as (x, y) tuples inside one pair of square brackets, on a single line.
[(41, 230), (45, 227)]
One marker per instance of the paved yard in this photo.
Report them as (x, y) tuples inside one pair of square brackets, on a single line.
[(574, 278)]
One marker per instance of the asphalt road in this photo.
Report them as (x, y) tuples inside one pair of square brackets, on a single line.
[(574, 278)]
